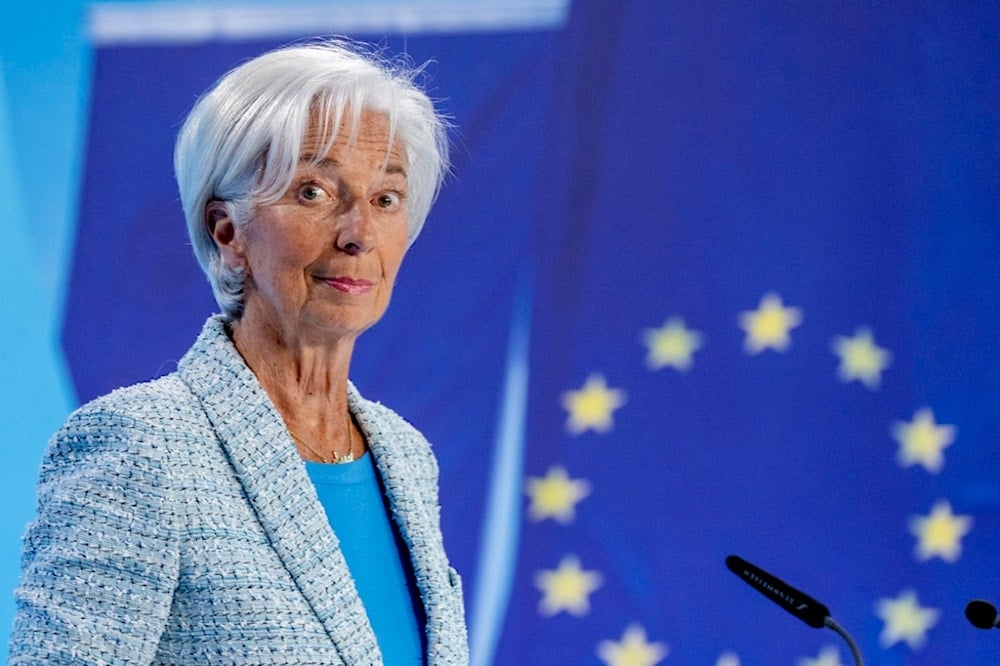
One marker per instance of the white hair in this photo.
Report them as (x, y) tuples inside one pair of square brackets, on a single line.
[(241, 143)]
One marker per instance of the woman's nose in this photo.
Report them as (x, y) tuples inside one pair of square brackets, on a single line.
[(355, 234)]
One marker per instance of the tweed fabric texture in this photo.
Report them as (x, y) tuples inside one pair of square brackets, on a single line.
[(176, 524)]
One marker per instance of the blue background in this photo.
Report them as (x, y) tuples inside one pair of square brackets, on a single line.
[(631, 162)]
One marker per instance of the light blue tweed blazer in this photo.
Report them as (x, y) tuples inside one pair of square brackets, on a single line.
[(176, 525)]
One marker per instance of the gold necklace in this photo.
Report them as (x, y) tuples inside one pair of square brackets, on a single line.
[(337, 458)]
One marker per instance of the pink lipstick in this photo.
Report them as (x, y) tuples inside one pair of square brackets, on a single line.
[(349, 285)]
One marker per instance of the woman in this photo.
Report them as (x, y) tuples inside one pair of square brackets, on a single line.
[(252, 507)]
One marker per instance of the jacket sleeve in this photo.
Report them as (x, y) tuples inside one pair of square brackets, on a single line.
[(100, 561)]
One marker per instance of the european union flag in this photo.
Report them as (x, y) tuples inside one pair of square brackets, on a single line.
[(765, 324)]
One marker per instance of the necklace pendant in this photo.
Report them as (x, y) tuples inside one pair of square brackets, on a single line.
[(346, 458)]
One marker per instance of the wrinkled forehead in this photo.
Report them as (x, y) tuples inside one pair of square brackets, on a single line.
[(368, 134)]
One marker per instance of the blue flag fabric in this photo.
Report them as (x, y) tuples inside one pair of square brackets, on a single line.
[(765, 325), (759, 246)]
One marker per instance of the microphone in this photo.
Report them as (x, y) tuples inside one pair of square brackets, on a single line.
[(796, 602), (982, 614)]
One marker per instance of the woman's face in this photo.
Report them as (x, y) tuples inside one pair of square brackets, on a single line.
[(321, 261)]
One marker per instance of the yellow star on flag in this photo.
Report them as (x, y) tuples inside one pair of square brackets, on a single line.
[(940, 533), (923, 441), (591, 407), (567, 588), (905, 620), (861, 358), (673, 344), (632, 650), (555, 495), (767, 327), (828, 656)]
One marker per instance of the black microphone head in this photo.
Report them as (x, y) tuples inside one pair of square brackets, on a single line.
[(981, 614), (796, 602)]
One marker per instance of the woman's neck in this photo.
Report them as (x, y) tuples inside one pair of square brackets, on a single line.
[(307, 382)]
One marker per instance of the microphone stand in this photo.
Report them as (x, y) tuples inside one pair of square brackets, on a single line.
[(830, 622)]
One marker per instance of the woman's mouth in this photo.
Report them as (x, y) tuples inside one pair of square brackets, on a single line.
[(353, 286)]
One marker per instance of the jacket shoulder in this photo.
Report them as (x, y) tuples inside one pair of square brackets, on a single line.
[(137, 419), (158, 402)]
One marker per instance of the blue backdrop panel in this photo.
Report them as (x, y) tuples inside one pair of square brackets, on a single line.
[(845, 160), (138, 298), (644, 165)]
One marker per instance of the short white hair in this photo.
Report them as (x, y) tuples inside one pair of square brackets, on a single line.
[(242, 142)]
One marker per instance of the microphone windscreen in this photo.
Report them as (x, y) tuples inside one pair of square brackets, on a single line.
[(981, 614)]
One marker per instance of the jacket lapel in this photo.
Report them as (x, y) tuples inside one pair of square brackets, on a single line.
[(412, 492), (277, 486)]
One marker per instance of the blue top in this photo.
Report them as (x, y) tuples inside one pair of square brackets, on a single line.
[(356, 507)]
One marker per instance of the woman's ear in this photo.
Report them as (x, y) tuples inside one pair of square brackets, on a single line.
[(223, 231)]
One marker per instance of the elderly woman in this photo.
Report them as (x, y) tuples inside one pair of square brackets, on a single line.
[(252, 507)]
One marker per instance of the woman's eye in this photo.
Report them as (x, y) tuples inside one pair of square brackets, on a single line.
[(388, 200), (311, 192)]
